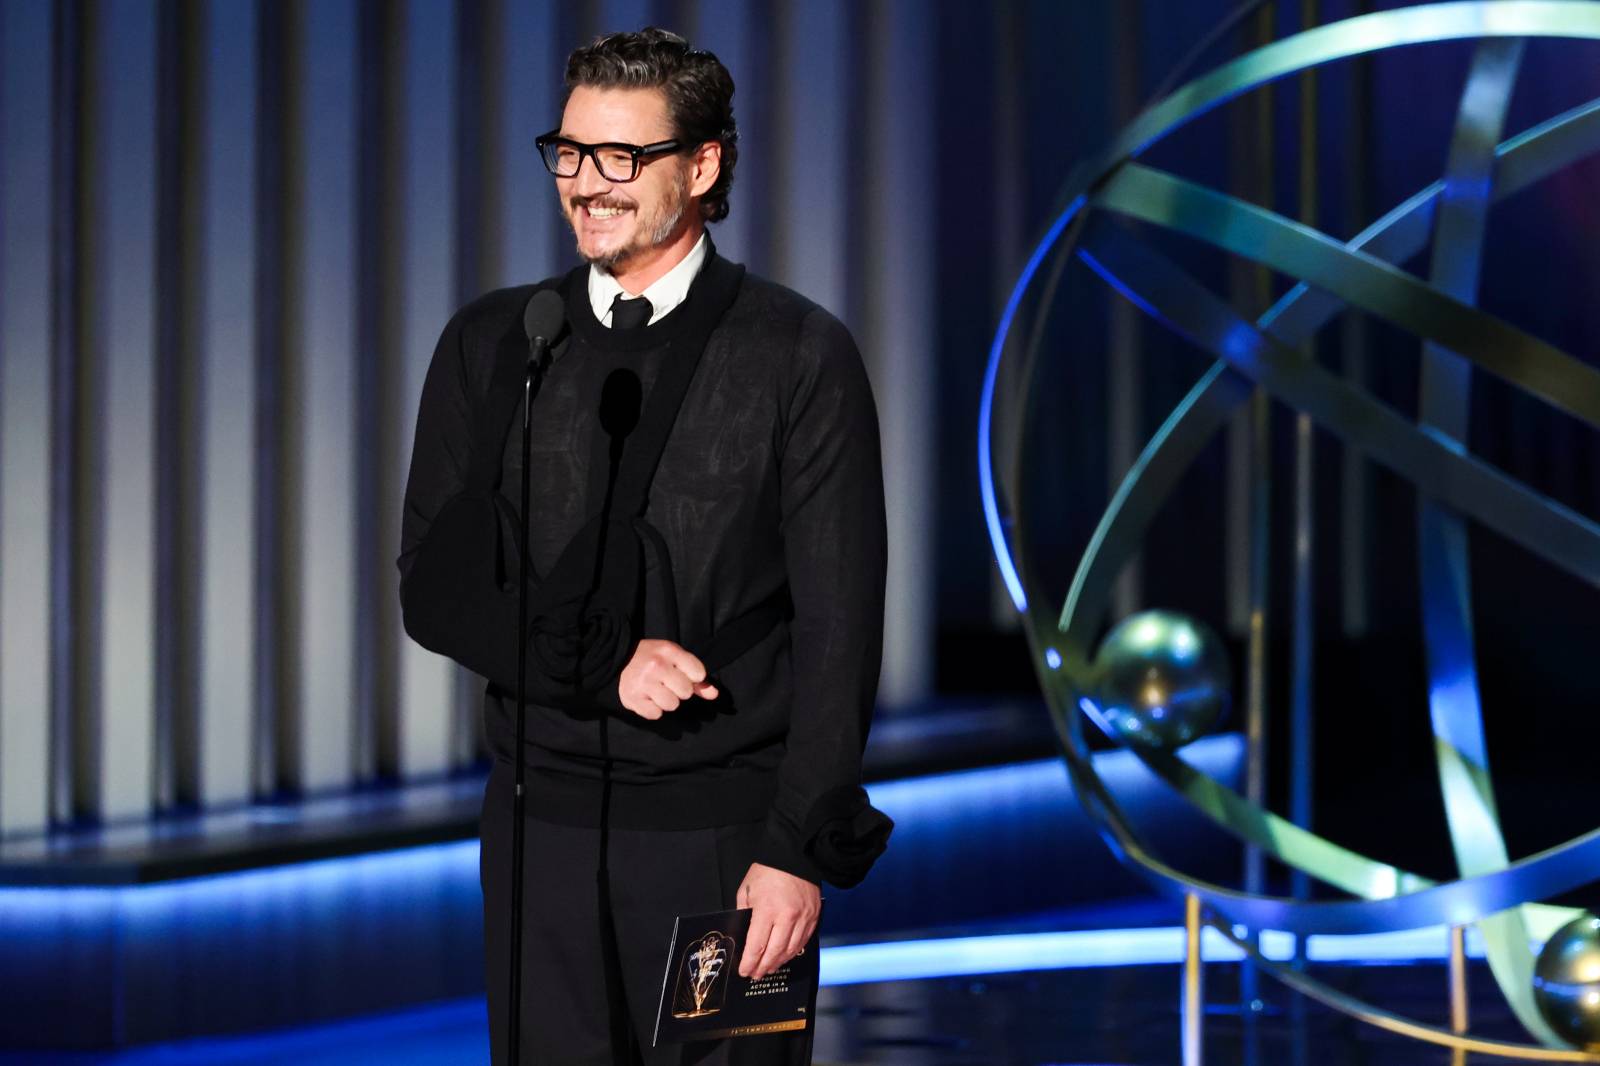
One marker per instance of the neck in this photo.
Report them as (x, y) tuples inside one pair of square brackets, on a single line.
[(649, 266)]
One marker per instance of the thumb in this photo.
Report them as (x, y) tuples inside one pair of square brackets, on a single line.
[(705, 690)]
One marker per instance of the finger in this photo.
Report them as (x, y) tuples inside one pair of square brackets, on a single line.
[(705, 690), (773, 956), (798, 938), (742, 899), (664, 698), (756, 945), (685, 661), (677, 684), (645, 709)]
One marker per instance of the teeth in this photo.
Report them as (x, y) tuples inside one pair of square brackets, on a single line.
[(604, 212)]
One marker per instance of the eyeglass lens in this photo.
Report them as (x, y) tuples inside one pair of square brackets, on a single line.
[(615, 164)]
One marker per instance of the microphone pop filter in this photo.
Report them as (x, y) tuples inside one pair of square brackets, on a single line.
[(621, 397), (544, 316)]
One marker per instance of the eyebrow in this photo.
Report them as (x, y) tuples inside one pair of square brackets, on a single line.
[(653, 140)]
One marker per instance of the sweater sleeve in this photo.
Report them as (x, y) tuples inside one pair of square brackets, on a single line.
[(459, 563), (441, 450), (450, 598), (821, 826)]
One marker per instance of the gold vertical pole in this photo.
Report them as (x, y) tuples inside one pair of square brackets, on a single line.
[(1192, 1005), (1303, 620), (1458, 989)]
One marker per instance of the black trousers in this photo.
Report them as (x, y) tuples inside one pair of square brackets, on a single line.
[(578, 1009)]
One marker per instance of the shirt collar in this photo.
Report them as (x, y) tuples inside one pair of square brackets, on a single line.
[(664, 294)]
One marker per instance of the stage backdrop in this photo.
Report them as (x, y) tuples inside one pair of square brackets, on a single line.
[(230, 233)]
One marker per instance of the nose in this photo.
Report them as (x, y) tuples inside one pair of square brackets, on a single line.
[(588, 181)]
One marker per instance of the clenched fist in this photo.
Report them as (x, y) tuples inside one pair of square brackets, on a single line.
[(659, 677)]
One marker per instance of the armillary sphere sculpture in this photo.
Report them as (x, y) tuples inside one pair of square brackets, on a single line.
[(1554, 992)]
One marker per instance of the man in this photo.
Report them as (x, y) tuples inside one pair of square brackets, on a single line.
[(708, 575)]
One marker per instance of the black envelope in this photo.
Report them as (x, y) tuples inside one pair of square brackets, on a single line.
[(704, 998)]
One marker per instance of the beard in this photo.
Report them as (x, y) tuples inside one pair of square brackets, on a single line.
[(650, 231)]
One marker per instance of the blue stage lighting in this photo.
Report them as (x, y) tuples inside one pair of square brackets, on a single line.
[(911, 960)]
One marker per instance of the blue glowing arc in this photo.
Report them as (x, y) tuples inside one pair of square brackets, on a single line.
[(1063, 654), (991, 503)]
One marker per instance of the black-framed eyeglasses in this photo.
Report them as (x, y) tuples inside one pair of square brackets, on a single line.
[(616, 162)]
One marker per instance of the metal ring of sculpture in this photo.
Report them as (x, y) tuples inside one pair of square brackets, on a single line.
[(1498, 895)]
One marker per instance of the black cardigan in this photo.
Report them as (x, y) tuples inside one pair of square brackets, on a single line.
[(770, 483)]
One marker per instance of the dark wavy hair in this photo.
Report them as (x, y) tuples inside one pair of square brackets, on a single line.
[(698, 88)]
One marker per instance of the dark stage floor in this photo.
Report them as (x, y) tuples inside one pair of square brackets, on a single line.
[(1129, 1015), (1103, 1015)]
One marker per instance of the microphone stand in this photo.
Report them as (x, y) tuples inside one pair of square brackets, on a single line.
[(538, 363)]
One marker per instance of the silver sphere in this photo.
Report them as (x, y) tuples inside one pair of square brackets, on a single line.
[(1163, 679), (1566, 982)]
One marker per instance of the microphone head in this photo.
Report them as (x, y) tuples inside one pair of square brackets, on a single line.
[(621, 397), (544, 316)]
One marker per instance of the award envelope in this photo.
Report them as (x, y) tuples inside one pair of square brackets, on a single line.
[(704, 998)]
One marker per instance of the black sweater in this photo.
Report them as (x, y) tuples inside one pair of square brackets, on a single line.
[(770, 478)]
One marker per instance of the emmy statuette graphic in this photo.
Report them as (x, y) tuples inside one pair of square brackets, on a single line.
[(698, 975)]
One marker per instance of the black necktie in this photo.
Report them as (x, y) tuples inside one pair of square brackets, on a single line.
[(629, 314)]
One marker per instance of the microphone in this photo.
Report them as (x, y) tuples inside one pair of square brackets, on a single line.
[(542, 320), (621, 398)]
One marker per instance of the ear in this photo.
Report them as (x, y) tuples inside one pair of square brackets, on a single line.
[(705, 168)]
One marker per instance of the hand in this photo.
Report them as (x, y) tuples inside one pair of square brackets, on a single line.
[(659, 677), (784, 914)]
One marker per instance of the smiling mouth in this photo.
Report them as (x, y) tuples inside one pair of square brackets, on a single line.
[(604, 212)]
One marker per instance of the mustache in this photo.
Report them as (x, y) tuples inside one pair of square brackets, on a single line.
[(599, 201)]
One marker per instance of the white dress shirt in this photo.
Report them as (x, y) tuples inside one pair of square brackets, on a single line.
[(664, 294)]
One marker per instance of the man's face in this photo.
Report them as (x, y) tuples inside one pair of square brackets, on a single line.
[(616, 222)]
